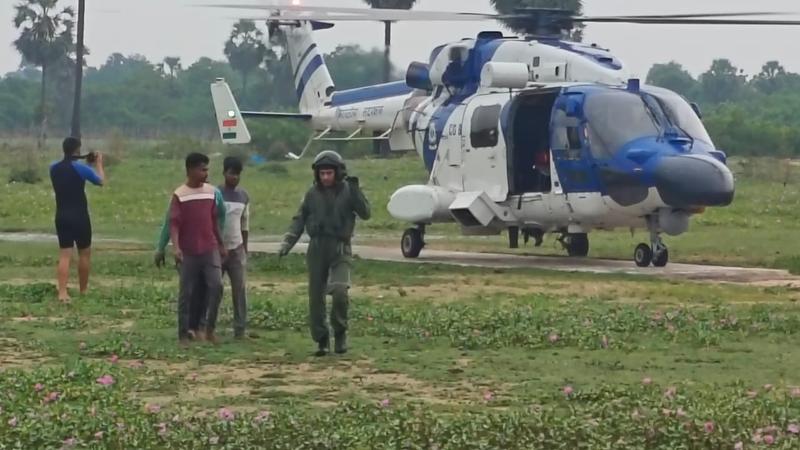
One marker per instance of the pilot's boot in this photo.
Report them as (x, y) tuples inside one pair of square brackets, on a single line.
[(340, 344), (323, 347)]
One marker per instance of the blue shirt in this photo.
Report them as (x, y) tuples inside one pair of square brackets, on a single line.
[(69, 180)]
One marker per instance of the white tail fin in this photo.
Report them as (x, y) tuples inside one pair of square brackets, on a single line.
[(312, 80), (230, 121)]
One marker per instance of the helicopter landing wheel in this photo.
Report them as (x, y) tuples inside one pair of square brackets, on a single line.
[(643, 255), (577, 244), (661, 259), (412, 243)]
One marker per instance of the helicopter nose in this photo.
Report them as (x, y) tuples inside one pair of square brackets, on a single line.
[(694, 181)]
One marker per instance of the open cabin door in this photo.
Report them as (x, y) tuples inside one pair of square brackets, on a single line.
[(577, 169), (484, 161)]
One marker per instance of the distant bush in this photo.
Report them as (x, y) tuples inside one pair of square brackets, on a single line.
[(26, 175)]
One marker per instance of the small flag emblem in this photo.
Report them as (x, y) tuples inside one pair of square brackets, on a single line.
[(229, 123)]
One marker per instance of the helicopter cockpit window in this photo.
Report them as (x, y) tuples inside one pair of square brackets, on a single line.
[(681, 114), (615, 119), (484, 132)]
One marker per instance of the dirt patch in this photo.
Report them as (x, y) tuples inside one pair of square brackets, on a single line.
[(328, 383), (13, 355)]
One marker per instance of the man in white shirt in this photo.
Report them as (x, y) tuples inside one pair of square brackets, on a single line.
[(234, 237)]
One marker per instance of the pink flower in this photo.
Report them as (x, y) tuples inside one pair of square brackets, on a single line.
[(793, 428), (114, 358), (769, 439), (153, 409), (263, 416), (51, 397), (98, 435), (709, 427), (670, 392), (568, 390), (647, 381), (488, 396), (38, 387), (738, 446), (795, 392), (12, 422), (226, 414), (553, 338), (193, 377), (162, 429), (370, 318), (106, 380), (385, 403)]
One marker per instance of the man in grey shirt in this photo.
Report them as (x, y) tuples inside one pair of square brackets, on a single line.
[(234, 237)]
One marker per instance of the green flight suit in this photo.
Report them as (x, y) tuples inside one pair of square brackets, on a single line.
[(328, 215)]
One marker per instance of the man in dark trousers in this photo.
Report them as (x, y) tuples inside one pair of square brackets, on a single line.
[(73, 224), (198, 309), (328, 215), (235, 237), (197, 243)]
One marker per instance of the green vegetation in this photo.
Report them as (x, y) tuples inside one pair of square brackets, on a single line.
[(441, 357), (754, 231)]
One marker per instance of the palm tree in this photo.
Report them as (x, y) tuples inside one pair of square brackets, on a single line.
[(245, 49), (173, 64), (389, 4), (510, 6), (45, 38), (76, 103)]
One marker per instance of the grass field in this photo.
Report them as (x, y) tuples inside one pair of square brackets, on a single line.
[(441, 358), (757, 230)]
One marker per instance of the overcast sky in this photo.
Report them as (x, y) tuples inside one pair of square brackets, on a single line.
[(159, 28)]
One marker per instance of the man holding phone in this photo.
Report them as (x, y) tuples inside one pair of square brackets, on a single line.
[(73, 223)]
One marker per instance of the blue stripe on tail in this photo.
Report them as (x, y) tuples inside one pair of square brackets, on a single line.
[(302, 60), (315, 64)]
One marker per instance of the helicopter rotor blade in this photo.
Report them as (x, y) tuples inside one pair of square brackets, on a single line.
[(659, 21), (330, 13)]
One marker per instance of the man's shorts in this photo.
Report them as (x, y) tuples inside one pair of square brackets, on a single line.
[(74, 231)]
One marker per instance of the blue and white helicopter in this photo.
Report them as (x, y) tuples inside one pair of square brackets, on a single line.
[(526, 135)]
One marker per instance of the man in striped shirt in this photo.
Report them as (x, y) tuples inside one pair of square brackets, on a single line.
[(197, 244)]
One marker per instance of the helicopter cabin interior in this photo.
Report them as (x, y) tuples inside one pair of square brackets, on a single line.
[(529, 142)]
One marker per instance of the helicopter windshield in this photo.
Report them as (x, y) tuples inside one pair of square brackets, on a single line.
[(616, 118), (681, 114)]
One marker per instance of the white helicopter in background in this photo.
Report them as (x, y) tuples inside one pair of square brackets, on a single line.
[(526, 135)]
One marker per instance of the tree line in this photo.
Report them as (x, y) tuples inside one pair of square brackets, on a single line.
[(134, 96)]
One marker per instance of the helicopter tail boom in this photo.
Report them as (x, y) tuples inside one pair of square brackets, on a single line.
[(312, 80)]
